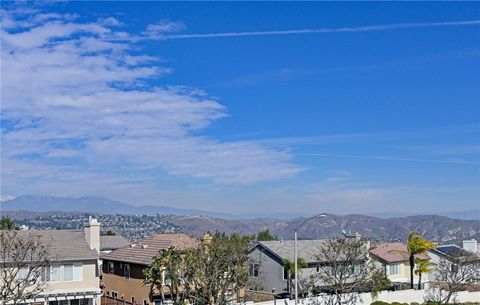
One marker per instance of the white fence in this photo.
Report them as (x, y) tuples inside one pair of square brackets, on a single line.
[(402, 296)]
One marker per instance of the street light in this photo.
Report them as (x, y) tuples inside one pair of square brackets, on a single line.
[(295, 254)]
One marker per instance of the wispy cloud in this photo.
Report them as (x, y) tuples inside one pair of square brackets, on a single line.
[(388, 158), (369, 28), (91, 120)]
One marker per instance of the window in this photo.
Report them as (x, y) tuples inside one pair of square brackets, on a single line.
[(111, 267), (22, 273), (114, 294), (126, 271), (68, 272), (285, 274), (356, 269), (394, 269), (254, 270), (333, 271), (145, 302), (133, 300), (318, 268), (78, 272), (55, 273), (74, 302)]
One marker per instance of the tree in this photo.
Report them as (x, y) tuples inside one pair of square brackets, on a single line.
[(456, 275), (110, 232), (7, 224), (165, 271), (345, 270), (24, 261), (423, 266), (265, 235), (290, 269), (416, 245), (206, 274)]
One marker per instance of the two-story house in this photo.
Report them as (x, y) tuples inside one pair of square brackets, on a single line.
[(122, 272), (266, 259), (393, 258), (72, 276)]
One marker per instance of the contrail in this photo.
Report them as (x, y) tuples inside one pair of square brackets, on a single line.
[(371, 28), (386, 158)]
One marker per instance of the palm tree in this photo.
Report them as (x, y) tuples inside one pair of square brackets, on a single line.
[(423, 266), (290, 267), (416, 245)]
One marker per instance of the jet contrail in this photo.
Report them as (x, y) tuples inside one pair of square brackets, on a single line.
[(370, 28), (386, 158)]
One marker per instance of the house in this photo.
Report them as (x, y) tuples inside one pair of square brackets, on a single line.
[(452, 253), (72, 276), (393, 258), (266, 262), (122, 272), (472, 246)]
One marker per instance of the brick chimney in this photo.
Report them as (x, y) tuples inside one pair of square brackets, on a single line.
[(92, 234)]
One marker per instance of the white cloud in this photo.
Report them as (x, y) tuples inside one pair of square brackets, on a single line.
[(160, 28), (78, 113)]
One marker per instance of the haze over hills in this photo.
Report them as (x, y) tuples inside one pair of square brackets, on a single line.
[(95, 204), (197, 222)]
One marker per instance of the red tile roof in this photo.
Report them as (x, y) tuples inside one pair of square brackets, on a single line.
[(142, 251), (394, 252)]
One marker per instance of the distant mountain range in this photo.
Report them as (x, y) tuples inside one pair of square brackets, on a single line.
[(436, 228), (197, 222), (94, 204)]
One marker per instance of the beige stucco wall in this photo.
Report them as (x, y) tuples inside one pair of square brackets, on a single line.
[(90, 279), (404, 273)]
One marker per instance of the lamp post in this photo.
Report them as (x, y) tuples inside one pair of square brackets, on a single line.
[(295, 253)]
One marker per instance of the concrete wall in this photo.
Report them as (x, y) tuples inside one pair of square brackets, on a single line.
[(404, 296)]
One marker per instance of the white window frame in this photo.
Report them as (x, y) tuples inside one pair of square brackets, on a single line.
[(77, 272), (64, 273), (111, 264), (252, 268), (125, 267), (394, 267), (59, 273)]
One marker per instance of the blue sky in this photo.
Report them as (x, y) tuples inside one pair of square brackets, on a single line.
[(336, 107)]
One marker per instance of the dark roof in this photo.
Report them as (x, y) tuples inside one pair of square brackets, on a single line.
[(306, 249), (142, 252), (394, 252), (62, 245), (452, 251), (108, 242)]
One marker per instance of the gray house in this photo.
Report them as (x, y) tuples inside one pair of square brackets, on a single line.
[(266, 269)]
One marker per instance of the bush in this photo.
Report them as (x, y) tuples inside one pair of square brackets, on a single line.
[(414, 303), (379, 303)]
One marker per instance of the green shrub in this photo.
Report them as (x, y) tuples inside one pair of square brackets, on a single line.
[(379, 303), (414, 303)]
